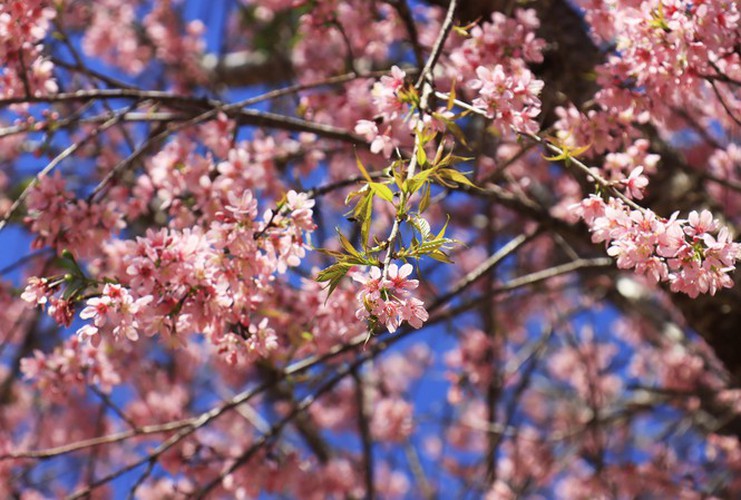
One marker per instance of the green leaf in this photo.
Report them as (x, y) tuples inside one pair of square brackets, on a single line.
[(421, 155), (383, 191), (67, 261), (331, 253), (333, 275), (462, 31), (422, 226), (347, 245), (452, 159), (73, 289), (453, 128), (455, 176), (568, 152), (366, 220), (451, 97), (425, 201), (441, 234), (362, 169), (418, 180), (398, 178), (360, 209), (354, 194), (440, 256), (432, 245)]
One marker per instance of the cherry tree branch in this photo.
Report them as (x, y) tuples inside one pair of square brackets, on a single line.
[(402, 7), (437, 48), (365, 435)]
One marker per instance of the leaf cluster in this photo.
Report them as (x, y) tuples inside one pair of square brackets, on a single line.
[(398, 186)]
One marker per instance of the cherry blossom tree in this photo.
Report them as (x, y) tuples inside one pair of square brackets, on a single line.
[(370, 249)]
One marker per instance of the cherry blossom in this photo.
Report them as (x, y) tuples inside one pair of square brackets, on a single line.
[(387, 299), (656, 247), (349, 249), (511, 102)]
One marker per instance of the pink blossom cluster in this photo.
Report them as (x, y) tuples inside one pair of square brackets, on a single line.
[(201, 275), (375, 108), (386, 96), (70, 365), (669, 55), (163, 402), (604, 129), (179, 47), (502, 40), (179, 282), (111, 36), (336, 410), (61, 221), (527, 458), (179, 179), (386, 298), (115, 312), (619, 165), (380, 143), (509, 99), (257, 340), (665, 45), (585, 367), (23, 27), (327, 321), (391, 103), (694, 256), (466, 432), (493, 61), (374, 31), (397, 372), (470, 362), (115, 35), (392, 420)]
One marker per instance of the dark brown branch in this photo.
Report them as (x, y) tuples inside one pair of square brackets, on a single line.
[(365, 435), (402, 7), (724, 104)]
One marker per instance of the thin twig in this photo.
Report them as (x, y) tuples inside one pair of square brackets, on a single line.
[(724, 104), (402, 7), (52, 164), (22, 260), (426, 489), (438, 46), (108, 403), (608, 185), (472, 277), (424, 85), (192, 426)]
